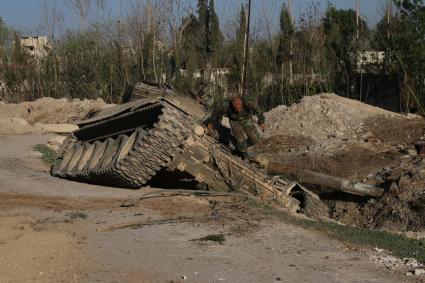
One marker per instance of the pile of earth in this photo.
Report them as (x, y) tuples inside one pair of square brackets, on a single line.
[(325, 121), (29, 117), (338, 136), (401, 208)]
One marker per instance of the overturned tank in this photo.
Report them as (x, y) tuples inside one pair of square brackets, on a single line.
[(127, 145)]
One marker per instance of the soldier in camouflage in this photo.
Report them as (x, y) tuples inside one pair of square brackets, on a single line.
[(240, 112)]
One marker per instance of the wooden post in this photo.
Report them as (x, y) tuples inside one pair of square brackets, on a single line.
[(246, 51), (357, 18), (290, 44)]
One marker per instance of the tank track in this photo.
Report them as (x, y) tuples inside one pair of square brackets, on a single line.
[(128, 156)]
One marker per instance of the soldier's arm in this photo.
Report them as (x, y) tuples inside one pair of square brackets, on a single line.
[(259, 113), (256, 110), (216, 115)]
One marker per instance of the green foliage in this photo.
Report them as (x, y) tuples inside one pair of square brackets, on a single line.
[(4, 33), (402, 37), (216, 37), (237, 51), (220, 238), (204, 30), (343, 45), (48, 155), (287, 31)]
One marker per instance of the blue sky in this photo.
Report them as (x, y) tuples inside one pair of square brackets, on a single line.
[(26, 15)]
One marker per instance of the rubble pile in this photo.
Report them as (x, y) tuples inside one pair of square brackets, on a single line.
[(322, 117), (32, 117), (410, 266), (402, 208)]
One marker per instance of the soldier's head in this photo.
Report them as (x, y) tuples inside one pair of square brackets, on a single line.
[(237, 104)]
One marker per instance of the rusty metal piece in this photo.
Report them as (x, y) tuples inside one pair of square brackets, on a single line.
[(315, 178)]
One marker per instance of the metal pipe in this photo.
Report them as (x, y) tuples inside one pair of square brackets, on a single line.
[(315, 178)]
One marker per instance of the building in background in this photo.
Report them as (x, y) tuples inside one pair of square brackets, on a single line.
[(37, 46), (373, 85)]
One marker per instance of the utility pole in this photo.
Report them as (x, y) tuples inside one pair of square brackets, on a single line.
[(389, 13), (246, 51), (290, 44), (357, 18)]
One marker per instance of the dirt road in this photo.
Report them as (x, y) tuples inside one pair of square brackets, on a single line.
[(53, 230)]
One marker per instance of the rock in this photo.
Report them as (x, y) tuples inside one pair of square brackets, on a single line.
[(373, 140), (412, 152), (411, 262), (54, 142), (56, 139), (393, 188), (412, 116), (378, 250), (56, 128), (36, 154), (419, 271)]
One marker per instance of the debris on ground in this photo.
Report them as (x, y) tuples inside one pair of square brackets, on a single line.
[(346, 138), (409, 266), (402, 208), (219, 238)]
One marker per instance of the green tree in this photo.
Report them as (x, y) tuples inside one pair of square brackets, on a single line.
[(343, 45), (238, 51), (204, 30), (4, 33), (216, 35), (286, 37), (405, 51), (189, 54)]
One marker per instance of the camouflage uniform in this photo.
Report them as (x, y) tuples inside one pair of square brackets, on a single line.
[(242, 123)]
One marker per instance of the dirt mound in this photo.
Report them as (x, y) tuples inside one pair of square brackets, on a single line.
[(322, 117), (348, 134), (402, 208), (20, 118)]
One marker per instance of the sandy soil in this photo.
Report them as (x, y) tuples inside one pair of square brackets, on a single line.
[(54, 230), (23, 118)]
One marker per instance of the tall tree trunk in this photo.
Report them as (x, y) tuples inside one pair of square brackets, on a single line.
[(290, 44)]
